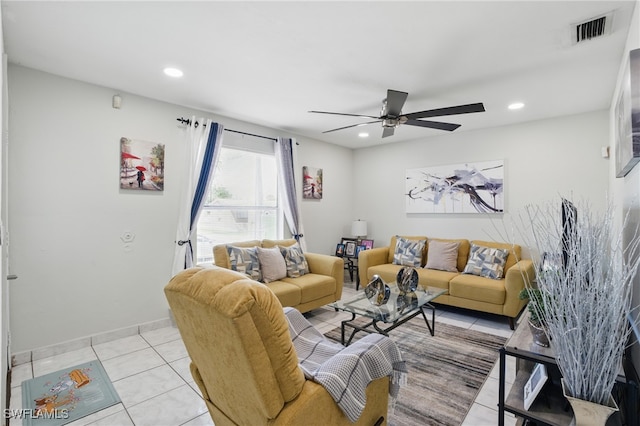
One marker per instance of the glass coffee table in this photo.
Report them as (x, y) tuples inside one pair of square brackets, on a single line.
[(399, 309)]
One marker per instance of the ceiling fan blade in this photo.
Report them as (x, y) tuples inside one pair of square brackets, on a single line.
[(340, 113), (433, 124), (353, 125), (460, 109), (395, 102), (388, 131)]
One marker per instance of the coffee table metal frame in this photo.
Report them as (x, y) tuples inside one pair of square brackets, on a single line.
[(389, 313)]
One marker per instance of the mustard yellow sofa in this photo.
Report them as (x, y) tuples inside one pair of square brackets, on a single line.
[(242, 357), (496, 296), (322, 285)]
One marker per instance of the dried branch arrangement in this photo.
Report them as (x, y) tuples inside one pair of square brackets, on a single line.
[(587, 294)]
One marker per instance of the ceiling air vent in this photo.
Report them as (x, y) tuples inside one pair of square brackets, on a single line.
[(593, 28)]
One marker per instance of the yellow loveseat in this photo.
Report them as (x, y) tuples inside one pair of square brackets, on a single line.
[(322, 285), (242, 357), (496, 296)]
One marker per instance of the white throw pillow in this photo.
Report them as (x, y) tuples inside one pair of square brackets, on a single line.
[(272, 264), (443, 255)]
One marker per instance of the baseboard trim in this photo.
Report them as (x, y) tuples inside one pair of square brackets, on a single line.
[(83, 342)]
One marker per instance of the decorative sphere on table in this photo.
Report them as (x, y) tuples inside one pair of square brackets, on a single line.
[(407, 280), (377, 291)]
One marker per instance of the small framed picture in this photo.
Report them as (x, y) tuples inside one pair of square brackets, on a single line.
[(345, 240), (359, 249), (350, 249), (368, 244), (534, 384), (340, 250)]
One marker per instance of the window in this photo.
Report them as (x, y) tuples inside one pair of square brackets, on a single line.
[(242, 201)]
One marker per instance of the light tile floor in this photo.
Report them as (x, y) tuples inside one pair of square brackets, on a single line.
[(150, 372)]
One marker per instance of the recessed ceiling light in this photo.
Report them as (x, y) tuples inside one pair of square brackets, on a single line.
[(173, 72), (516, 105), (363, 134)]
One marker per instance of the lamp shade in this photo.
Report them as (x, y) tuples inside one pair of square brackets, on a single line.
[(359, 228)]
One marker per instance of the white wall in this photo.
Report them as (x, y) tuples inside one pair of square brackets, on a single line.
[(326, 220), (543, 160), (626, 191), (67, 212)]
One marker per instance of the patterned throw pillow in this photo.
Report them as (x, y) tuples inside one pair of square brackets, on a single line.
[(408, 252), (245, 260), (486, 262), (297, 264)]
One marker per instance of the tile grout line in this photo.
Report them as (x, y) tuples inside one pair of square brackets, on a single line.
[(155, 396)]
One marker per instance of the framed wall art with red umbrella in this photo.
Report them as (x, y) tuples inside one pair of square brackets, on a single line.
[(311, 183), (141, 165)]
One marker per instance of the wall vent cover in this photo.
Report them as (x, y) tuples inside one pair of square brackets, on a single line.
[(592, 28)]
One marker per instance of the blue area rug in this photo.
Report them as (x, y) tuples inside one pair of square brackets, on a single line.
[(64, 396)]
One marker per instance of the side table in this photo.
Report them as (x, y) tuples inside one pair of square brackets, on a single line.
[(552, 408), (351, 265)]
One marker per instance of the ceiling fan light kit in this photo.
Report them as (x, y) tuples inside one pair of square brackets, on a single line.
[(391, 115)]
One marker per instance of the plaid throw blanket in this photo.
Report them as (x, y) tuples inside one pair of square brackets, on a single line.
[(346, 372)]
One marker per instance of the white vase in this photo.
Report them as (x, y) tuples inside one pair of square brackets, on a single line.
[(586, 413)]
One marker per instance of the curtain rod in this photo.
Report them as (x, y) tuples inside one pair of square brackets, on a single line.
[(187, 121)]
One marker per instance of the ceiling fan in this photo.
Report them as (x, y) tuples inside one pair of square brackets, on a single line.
[(391, 115)]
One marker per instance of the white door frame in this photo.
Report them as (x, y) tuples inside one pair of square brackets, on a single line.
[(5, 349)]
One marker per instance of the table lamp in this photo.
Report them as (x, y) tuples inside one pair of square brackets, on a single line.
[(359, 229)]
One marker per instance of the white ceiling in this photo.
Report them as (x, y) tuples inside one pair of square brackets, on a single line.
[(269, 63)]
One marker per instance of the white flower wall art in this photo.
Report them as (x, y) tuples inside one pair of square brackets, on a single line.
[(459, 188)]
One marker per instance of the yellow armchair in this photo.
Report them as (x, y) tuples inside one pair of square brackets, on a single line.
[(242, 357)]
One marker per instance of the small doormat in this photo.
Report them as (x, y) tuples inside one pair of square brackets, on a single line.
[(64, 396)]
